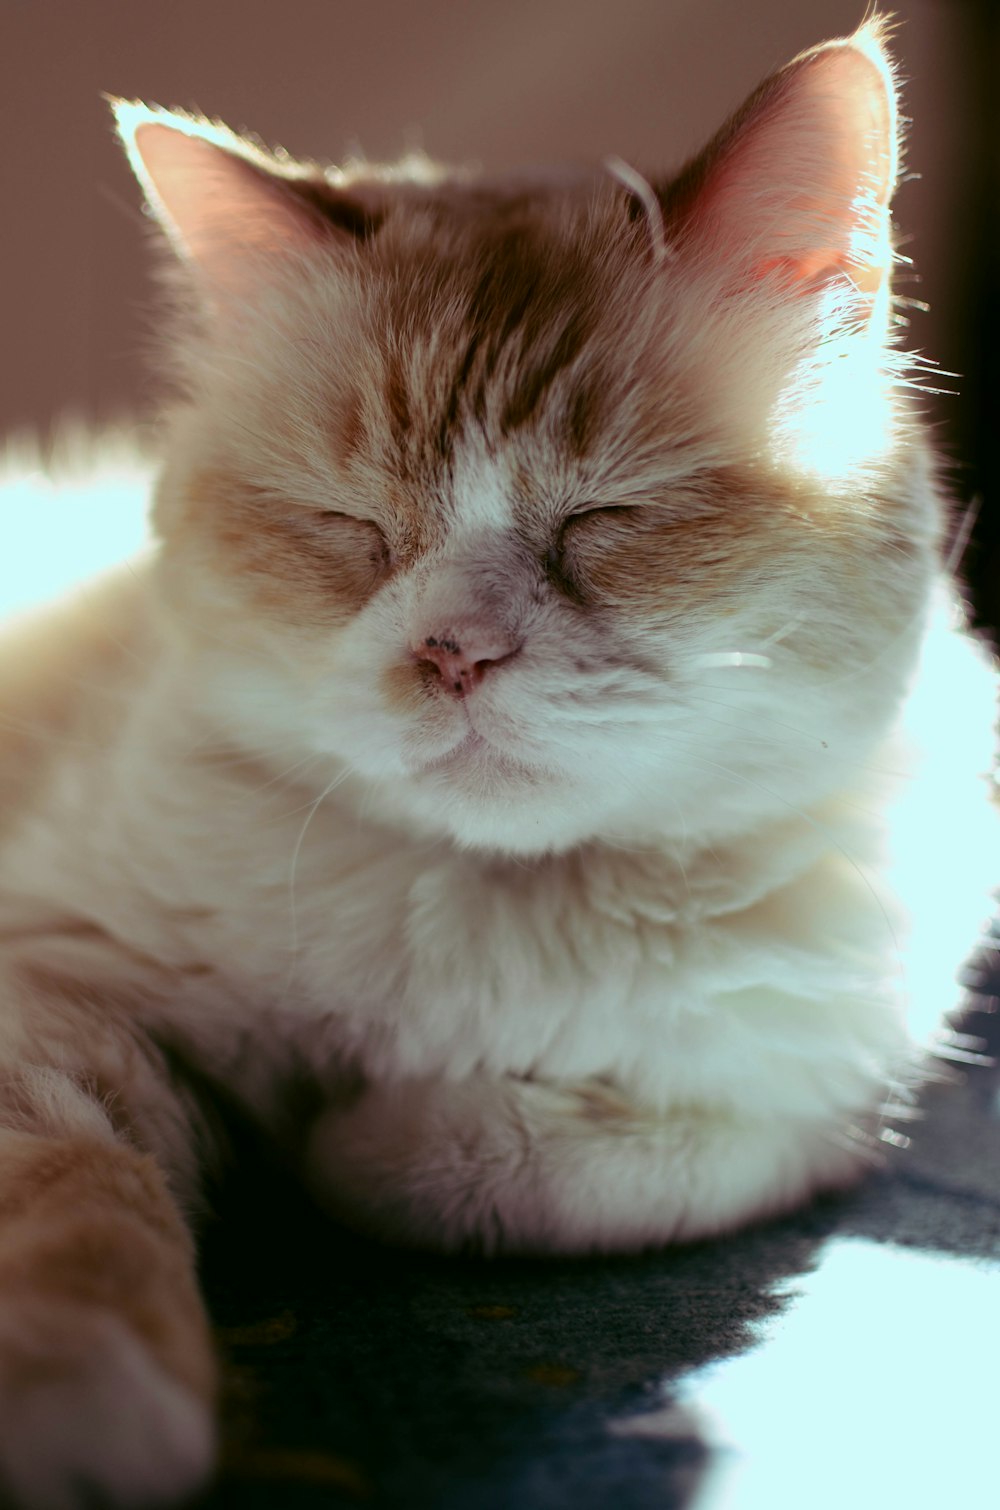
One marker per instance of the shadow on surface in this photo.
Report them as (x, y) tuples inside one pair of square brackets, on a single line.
[(358, 1375)]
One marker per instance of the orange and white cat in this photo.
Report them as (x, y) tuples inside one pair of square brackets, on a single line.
[(542, 725)]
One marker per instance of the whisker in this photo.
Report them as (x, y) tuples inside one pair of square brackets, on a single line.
[(293, 870), (887, 648), (733, 658), (643, 191), (813, 740), (282, 776), (780, 634), (965, 527)]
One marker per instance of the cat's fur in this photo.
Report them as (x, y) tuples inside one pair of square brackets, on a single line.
[(543, 729)]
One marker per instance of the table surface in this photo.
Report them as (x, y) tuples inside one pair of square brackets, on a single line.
[(846, 1356)]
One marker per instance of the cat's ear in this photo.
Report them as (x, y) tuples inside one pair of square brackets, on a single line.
[(228, 209), (795, 189)]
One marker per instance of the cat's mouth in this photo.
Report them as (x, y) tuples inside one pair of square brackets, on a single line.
[(469, 746), (476, 756)]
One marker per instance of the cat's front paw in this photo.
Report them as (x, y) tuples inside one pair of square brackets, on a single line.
[(526, 1166), (89, 1416)]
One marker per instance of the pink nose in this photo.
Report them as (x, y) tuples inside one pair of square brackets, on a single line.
[(461, 665)]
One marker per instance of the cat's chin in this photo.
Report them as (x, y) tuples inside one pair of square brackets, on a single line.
[(476, 761), (483, 797), (526, 829)]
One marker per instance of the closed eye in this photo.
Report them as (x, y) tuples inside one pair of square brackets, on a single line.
[(334, 529), (557, 565), (602, 508)]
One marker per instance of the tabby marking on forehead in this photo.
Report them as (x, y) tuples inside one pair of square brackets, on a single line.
[(498, 318)]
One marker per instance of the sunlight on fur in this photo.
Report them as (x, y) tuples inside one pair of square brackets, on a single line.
[(835, 419)]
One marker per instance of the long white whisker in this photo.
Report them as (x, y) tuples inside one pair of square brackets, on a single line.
[(727, 658), (646, 195), (961, 540), (282, 776), (812, 740), (293, 869)]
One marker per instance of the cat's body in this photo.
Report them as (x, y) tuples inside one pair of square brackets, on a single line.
[(528, 735), (625, 986)]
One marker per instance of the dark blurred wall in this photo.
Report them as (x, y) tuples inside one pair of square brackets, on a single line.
[(505, 83), (971, 426)]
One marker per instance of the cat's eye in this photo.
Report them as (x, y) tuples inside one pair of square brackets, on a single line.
[(611, 513), (351, 521), (334, 530), (559, 558), (556, 559), (601, 510)]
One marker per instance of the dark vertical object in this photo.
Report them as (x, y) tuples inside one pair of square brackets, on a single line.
[(975, 421)]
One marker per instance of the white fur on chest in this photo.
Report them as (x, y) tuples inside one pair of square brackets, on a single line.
[(753, 978), (768, 974)]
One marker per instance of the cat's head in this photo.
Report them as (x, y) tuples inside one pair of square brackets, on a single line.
[(553, 507)]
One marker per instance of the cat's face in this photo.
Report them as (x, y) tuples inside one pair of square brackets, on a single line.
[(490, 496)]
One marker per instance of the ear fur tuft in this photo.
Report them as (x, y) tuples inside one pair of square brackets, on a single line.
[(228, 208)]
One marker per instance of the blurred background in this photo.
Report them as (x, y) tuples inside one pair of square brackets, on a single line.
[(497, 84)]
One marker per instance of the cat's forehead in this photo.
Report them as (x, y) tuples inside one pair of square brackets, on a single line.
[(513, 322), (506, 258)]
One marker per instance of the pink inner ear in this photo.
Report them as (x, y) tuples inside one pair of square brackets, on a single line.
[(811, 270), (801, 188), (226, 214)]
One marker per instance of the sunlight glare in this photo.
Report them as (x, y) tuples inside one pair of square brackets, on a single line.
[(837, 413), (876, 1386), (59, 530)]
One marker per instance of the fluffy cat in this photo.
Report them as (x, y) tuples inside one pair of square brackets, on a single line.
[(542, 727)]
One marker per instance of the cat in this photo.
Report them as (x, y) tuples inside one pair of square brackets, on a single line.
[(544, 728)]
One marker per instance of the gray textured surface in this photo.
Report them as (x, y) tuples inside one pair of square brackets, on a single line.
[(360, 1376)]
